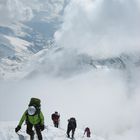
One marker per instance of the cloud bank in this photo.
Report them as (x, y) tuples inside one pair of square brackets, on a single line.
[(101, 28)]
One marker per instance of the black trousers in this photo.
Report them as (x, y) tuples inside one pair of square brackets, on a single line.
[(70, 129), (56, 124), (30, 131)]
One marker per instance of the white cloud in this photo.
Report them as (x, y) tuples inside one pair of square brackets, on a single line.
[(14, 10), (22, 10), (101, 28)]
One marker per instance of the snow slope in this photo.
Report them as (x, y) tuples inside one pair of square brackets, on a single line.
[(7, 132), (19, 44)]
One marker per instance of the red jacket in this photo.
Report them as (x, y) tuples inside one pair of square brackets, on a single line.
[(55, 117), (87, 131)]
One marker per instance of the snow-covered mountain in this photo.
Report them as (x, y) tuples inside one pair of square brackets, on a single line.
[(80, 57), (19, 42), (23, 44), (17, 48), (25, 51), (28, 32)]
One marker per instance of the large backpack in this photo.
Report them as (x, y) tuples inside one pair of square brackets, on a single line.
[(72, 120), (72, 123), (35, 102)]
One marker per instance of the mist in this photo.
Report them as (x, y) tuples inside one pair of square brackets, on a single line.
[(99, 99), (101, 28)]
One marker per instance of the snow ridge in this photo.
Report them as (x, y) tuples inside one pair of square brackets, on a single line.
[(50, 133)]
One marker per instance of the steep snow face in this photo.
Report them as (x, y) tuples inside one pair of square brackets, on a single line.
[(14, 53), (18, 44)]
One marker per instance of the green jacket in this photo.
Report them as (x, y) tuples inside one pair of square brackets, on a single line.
[(35, 119)]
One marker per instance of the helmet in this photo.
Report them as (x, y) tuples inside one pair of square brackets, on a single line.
[(56, 112), (31, 110)]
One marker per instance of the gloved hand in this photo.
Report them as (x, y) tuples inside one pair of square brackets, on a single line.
[(42, 127), (17, 128)]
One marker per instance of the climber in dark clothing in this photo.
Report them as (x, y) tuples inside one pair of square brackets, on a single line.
[(55, 118), (71, 127)]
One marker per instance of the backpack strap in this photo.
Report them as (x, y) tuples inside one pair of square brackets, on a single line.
[(37, 113), (27, 119)]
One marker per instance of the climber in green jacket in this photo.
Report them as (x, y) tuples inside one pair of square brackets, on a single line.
[(34, 118)]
